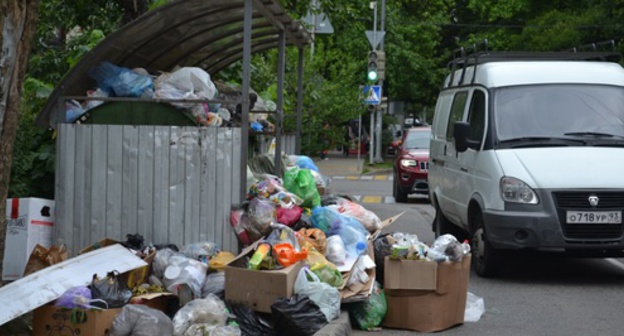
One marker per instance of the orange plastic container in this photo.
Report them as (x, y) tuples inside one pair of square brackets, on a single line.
[(286, 255)]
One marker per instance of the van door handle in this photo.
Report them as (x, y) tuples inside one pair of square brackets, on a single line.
[(463, 169), (438, 162)]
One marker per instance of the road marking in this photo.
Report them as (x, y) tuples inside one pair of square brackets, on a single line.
[(363, 177), (615, 263), (371, 199)]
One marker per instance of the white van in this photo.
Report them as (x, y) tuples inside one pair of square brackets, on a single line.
[(527, 152)]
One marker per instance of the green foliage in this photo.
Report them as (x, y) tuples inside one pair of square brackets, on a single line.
[(419, 41)]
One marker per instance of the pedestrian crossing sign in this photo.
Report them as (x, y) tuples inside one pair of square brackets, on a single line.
[(372, 94)]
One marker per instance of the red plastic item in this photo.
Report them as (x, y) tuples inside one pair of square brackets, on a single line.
[(286, 255)]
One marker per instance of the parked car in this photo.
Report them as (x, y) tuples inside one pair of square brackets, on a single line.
[(411, 164), (527, 153)]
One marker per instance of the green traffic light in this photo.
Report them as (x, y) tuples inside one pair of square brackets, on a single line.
[(372, 75)]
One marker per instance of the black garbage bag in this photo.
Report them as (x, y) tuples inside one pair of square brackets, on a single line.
[(134, 241), (304, 222), (382, 249), (297, 316), (111, 289), (250, 322)]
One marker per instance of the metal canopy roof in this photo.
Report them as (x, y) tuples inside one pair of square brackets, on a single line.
[(200, 33)]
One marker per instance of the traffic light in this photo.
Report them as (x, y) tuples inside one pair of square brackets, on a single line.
[(376, 65), (381, 65), (372, 66)]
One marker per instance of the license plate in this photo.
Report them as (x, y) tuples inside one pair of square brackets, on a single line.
[(594, 217)]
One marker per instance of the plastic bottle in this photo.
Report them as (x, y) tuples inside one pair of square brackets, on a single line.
[(466, 247), (256, 259)]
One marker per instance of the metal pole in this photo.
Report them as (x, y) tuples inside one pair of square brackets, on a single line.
[(314, 5), (245, 99), (378, 147), (281, 60), (299, 101), (372, 138), (371, 145)]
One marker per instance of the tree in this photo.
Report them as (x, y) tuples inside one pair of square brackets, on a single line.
[(18, 22)]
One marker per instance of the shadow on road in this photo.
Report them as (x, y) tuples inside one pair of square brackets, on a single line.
[(549, 268)]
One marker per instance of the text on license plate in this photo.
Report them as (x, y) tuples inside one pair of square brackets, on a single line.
[(594, 217)]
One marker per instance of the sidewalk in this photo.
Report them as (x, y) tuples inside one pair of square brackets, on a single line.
[(339, 165)]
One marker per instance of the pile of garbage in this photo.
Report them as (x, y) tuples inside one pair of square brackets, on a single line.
[(222, 106), (308, 254)]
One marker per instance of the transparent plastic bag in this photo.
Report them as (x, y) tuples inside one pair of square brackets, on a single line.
[(141, 320), (214, 284), (260, 214), (210, 310), (475, 307), (335, 250), (203, 251), (367, 218), (352, 234), (446, 247), (185, 271), (203, 329)]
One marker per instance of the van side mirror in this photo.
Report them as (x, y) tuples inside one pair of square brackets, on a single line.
[(461, 135)]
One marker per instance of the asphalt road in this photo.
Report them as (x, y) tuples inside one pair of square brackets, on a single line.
[(533, 295)]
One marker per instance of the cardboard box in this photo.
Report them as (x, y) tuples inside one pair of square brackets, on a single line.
[(258, 289), (51, 320), (410, 274), (360, 292), (30, 221), (430, 310), (166, 302), (133, 278)]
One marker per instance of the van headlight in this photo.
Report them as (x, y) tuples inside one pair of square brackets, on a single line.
[(516, 191)]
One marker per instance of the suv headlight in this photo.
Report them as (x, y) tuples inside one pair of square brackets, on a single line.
[(516, 191), (408, 163)]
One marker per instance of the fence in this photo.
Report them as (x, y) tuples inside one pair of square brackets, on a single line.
[(169, 184)]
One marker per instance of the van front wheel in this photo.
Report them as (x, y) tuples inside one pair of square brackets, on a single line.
[(485, 258)]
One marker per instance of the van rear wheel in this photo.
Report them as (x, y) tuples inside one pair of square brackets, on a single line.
[(485, 259)]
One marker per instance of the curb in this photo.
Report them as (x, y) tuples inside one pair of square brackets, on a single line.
[(379, 172), (338, 327)]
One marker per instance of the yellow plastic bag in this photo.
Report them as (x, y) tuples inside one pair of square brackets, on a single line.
[(219, 261)]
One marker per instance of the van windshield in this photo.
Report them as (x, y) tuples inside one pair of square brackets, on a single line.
[(559, 111)]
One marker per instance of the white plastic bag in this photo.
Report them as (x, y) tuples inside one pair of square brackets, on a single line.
[(322, 294), (475, 307)]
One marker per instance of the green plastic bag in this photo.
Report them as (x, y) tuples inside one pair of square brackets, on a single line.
[(301, 183), (369, 314)]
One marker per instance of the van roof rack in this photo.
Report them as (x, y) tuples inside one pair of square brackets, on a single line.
[(478, 53)]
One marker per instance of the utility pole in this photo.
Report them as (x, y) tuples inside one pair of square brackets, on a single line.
[(378, 152)]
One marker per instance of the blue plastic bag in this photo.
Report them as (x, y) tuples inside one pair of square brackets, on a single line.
[(306, 162), (120, 81)]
